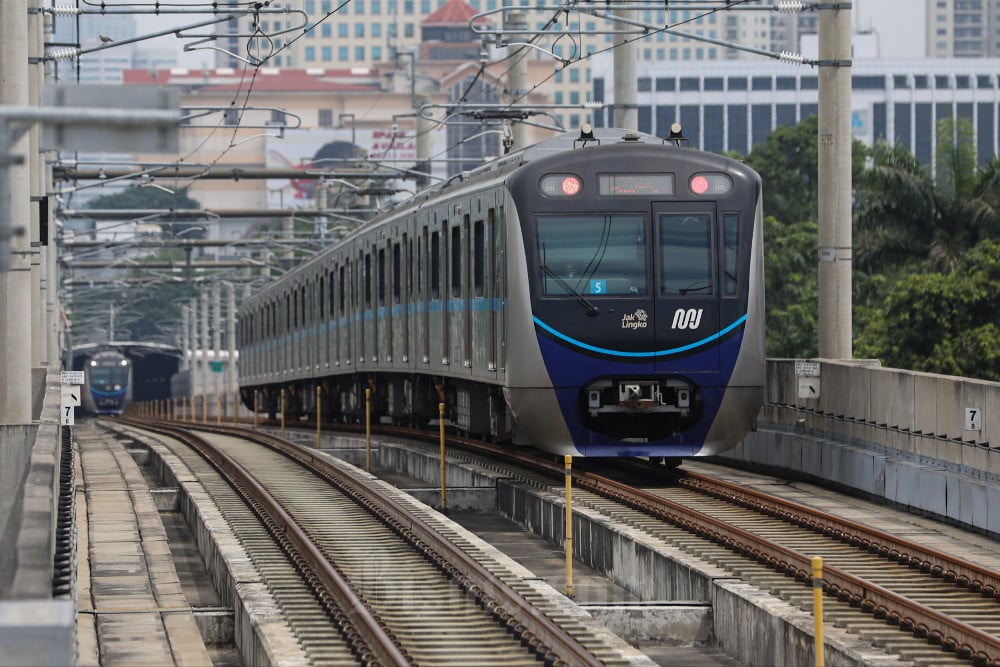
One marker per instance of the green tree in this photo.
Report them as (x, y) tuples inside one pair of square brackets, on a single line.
[(139, 197), (906, 221), (790, 280), (942, 323)]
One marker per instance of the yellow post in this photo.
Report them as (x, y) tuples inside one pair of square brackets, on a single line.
[(218, 408), (368, 429), (204, 408), (444, 486), (817, 566), (568, 463), (184, 408), (282, 406), (255, 409), (318, 415)]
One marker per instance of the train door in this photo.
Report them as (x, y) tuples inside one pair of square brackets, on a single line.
[(686, 314)]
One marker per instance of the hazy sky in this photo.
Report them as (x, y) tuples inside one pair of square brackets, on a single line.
[(898, 23)]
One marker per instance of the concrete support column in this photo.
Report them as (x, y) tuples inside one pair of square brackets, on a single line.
[(517, 80), (15, 182), (626, 55), (185, 340), (216, 339), (203, 389), (231, 378), (834, 147)]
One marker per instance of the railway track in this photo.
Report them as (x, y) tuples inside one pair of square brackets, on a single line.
[(361, 577), (924, 605)]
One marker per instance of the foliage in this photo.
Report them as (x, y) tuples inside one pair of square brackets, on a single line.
[(138, 197), (788, 163), (942, 323), (790, 288)]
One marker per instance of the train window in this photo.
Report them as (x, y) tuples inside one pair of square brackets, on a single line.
[(731, 241), (456, 262), (368, 279), (436, 265), (340, 288), (397, 286), (592, 254), (685, 253), (478, 258), (381, 276), (330, 281)]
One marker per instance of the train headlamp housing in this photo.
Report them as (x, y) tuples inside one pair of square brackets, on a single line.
[(710, 184), (560, 185)]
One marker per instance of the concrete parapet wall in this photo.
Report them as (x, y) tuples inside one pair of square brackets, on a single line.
[(29, 474), (893, 434), (863, 394), (16, 442)]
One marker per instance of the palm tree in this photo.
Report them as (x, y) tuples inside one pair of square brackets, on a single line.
[(904, 219)]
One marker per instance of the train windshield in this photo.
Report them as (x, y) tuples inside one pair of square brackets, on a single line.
[(592, 255), (109, 375), (686, 253)]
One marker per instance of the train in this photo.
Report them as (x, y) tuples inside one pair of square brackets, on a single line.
[(597, 294), (108, 383)]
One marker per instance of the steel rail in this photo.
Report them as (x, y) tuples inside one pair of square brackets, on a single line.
[(962, 573), (923, 621), (543, 635), (370, 640)]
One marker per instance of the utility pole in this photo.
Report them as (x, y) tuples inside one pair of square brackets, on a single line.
[(15, 258), (231, 378), (517, 80), (834, 148), (216, 337), (424, 128), (626, 54)]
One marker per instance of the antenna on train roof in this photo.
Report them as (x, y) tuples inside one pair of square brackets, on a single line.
[(586, 135), (676, 136)]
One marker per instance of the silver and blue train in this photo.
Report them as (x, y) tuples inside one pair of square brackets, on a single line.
[(597, 294), (108, 383)]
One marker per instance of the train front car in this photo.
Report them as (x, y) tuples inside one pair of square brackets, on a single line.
[(641, 302), (108, 389)]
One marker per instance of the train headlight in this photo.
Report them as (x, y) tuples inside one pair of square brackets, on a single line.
[(683, 398), (560, 185), (124, 362), (594, 398), (710, 184)]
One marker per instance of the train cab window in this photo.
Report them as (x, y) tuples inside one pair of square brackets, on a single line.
[(685, 253), (592, 254), (731, 241)]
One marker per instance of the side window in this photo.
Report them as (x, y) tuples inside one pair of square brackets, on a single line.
[(381, 276), (456, 262), (731, 243), (685, 253), (367, 280), (397, 287), (478, 259), (435, 268)]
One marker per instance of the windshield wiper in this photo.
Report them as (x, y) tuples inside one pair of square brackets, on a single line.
[(591, 309)]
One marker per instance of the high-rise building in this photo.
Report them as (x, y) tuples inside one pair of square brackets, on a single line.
[(963, 28)]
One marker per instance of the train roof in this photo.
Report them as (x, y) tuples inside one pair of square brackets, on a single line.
[(554, 145)]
